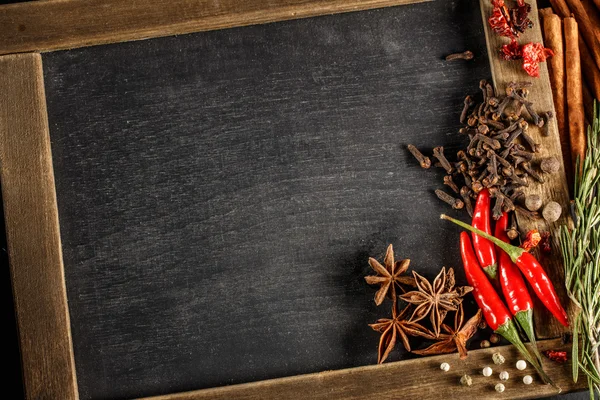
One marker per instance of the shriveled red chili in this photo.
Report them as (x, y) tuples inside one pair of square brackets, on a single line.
[(533, 54), (513, 286), (484, 249), (531, 269), (500, 20), (494, 311), (532, 239), (558, 356)]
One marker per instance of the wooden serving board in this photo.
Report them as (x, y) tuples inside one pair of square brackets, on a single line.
[(555, 186)]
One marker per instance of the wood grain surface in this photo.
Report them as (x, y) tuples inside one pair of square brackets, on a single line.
[(66, 24), (555, 186), (419, 378), (32, 230), (220, 193)]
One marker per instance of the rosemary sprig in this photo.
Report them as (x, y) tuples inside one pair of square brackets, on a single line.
[(581, 255)]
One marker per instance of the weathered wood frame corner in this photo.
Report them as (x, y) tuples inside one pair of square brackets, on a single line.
[(32, 224)]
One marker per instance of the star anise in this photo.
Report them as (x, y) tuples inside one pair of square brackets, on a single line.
[(452, 339), (435, 299), (398, 325), (389, 275)]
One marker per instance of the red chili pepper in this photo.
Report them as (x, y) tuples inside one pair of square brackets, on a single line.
[(558, 356), (514, 289), (531, 268), (492, 307), (485, 250)]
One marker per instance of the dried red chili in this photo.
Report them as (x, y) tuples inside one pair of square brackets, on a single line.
[(500, 20), (532, 239), (510, 22), (520, 15), (533, 54), (558, 356), (511, 52)]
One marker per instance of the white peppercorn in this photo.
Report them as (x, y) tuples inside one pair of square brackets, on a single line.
[(521, 365), (487, 371), (499, 388), (552, 211), (445, 367), (504, 376), (527, 379), (533, 202)]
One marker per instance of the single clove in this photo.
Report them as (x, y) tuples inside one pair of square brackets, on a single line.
[(535, 147), (450, 183), (546, 116), (457, 204), (465, 193), (468, 102), (425, 162), (494, 144), (512, 231), (438, 152), (522, 154), (534, 174), (465, 55), (497, 209), (526, 213)]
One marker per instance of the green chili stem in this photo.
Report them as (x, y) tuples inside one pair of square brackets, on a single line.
[(525, 320), (509, 332), (513, 251)]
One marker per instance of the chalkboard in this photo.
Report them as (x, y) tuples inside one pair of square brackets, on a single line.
[(219, 193)]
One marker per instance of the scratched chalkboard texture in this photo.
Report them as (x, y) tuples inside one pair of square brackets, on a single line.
[(219, 193)]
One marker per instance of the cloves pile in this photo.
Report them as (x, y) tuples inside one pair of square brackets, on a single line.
[(500, 152)]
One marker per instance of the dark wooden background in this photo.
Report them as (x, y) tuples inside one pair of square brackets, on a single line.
[(219, 193)]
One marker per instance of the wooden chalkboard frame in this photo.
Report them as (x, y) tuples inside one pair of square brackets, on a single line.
[(32, 222)]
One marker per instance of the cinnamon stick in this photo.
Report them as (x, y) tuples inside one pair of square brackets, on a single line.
[(564, 8), (574, 90), (588, 103), (546, 11), (589, 69), (561, 8), (597, 3), (553, 38), (594, 15)]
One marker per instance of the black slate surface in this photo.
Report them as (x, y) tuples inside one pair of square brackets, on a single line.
[(219, 193)]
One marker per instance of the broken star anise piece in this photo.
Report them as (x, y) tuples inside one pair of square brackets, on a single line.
[(391, 328), (452, 339), (435, 299), (389, 275)]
